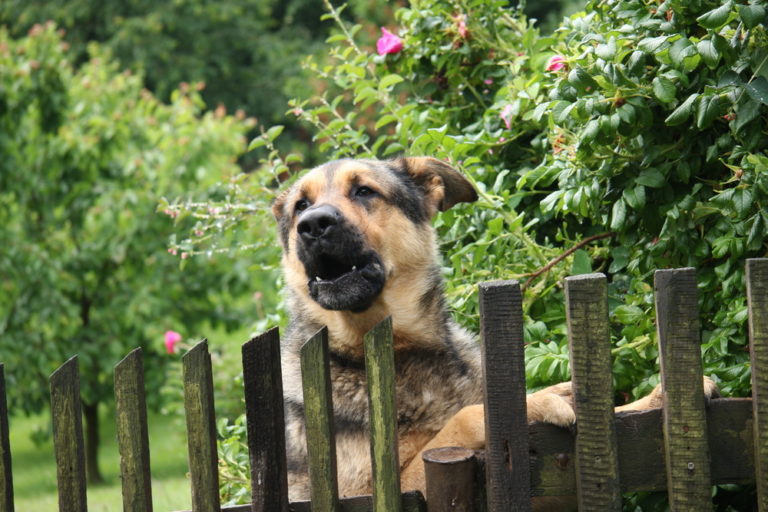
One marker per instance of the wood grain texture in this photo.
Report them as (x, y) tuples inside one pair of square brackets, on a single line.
[(589, 338), (67, 418), (318, 413), (506, 428), (757, 304), (450, 475), (132, 435), (201, 428), (685, 426), (380, 374), (6, 476), (263, 386)]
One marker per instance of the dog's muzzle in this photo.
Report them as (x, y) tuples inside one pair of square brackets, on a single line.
[(344, 275)]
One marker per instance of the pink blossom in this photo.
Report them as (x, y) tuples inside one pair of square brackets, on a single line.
[(461, 26), (506, 116), (171, 339), (388, 43), (555, 63), (488, 81)]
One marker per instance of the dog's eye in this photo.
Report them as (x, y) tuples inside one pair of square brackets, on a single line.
[(301, 205), (364, 192)]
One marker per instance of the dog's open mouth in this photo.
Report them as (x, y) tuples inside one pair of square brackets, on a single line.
[(339, 282)]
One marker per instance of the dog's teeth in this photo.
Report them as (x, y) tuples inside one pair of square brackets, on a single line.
[(317, 278), (354, 267)]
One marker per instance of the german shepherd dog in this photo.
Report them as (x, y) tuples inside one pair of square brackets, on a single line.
[(358, 246)]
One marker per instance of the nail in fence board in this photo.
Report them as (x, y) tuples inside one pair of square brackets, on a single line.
[(132, 436), (757, 301), (589, 340), (506, 428), (685, 424), (320, 432), (380, 373), (68, 437), (201, 428), (6, 480), (262, 380)]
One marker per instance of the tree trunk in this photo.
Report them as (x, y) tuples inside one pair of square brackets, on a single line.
[(92, 439)]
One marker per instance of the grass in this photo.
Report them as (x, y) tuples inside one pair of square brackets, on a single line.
[(34, 469)]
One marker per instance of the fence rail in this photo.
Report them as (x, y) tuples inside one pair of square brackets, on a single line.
[(684, 448)]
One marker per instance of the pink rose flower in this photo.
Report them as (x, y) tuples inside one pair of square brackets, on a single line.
[(171, 339), (506, 116), (556, 63), (388, 43)]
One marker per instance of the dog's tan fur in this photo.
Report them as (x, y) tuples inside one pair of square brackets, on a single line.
[(439, 376)]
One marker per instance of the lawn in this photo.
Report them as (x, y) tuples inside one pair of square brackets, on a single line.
[(34, 469)]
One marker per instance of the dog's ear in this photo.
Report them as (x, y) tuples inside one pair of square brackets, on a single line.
[(278, 204), (443, 186)]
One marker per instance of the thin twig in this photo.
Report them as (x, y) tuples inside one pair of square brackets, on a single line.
[(560, 258)]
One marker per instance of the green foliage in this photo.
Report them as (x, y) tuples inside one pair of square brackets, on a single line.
[(86, 156)]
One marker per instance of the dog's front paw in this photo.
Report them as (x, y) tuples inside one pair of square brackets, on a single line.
[(550, 408)]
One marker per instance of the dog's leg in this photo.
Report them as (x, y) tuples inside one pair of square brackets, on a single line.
[(655, 398)]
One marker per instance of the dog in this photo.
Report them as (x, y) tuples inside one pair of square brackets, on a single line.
[(358, 246)]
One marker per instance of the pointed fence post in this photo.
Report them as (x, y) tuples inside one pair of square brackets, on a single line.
[(380, 373), (757, 303), (67, 417), (685, 422), (201, 428), (6, 478), (132, 434), (508, 479), (263, 385)]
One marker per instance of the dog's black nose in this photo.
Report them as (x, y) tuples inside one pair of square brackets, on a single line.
[(318, 222)]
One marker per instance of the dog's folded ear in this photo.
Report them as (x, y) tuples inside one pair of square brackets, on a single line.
[(443, 186)]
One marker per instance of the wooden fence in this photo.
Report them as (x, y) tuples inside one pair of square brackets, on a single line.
[(683, 448)]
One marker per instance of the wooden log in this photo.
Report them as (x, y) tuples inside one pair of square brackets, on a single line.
[(450, 476), (263, 386), (318, 413), (132, 435), (412, 501), (757, 304), (201, 428), (380, 374), (506, 429), (685, 425), (589, 339), (68, 445), (6, 476)]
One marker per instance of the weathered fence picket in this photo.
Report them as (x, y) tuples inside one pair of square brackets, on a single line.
[(201, 428), (757, 305), (684, 447), (508, 480), (596, 461), (263, 386), (320, 431), (685, 421), (132, 435), (68, 444), (6, 477)]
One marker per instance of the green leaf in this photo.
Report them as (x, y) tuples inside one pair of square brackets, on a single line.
[(627, 314), (274, 132), (620, 257), (652, 44), (664, 89), (651, 178), (581, 263), (618, 215), (681, 50), (389, 81), (385, 120), (683, 112), (758, 89), (257, 143), (708, 52), (709, 109), (746, 110), (607, 51), (717, 17), (752, 15), (742, 202), (635, 197), (581, 80)]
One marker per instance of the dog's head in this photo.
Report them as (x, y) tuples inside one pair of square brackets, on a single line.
[(349, 227)]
